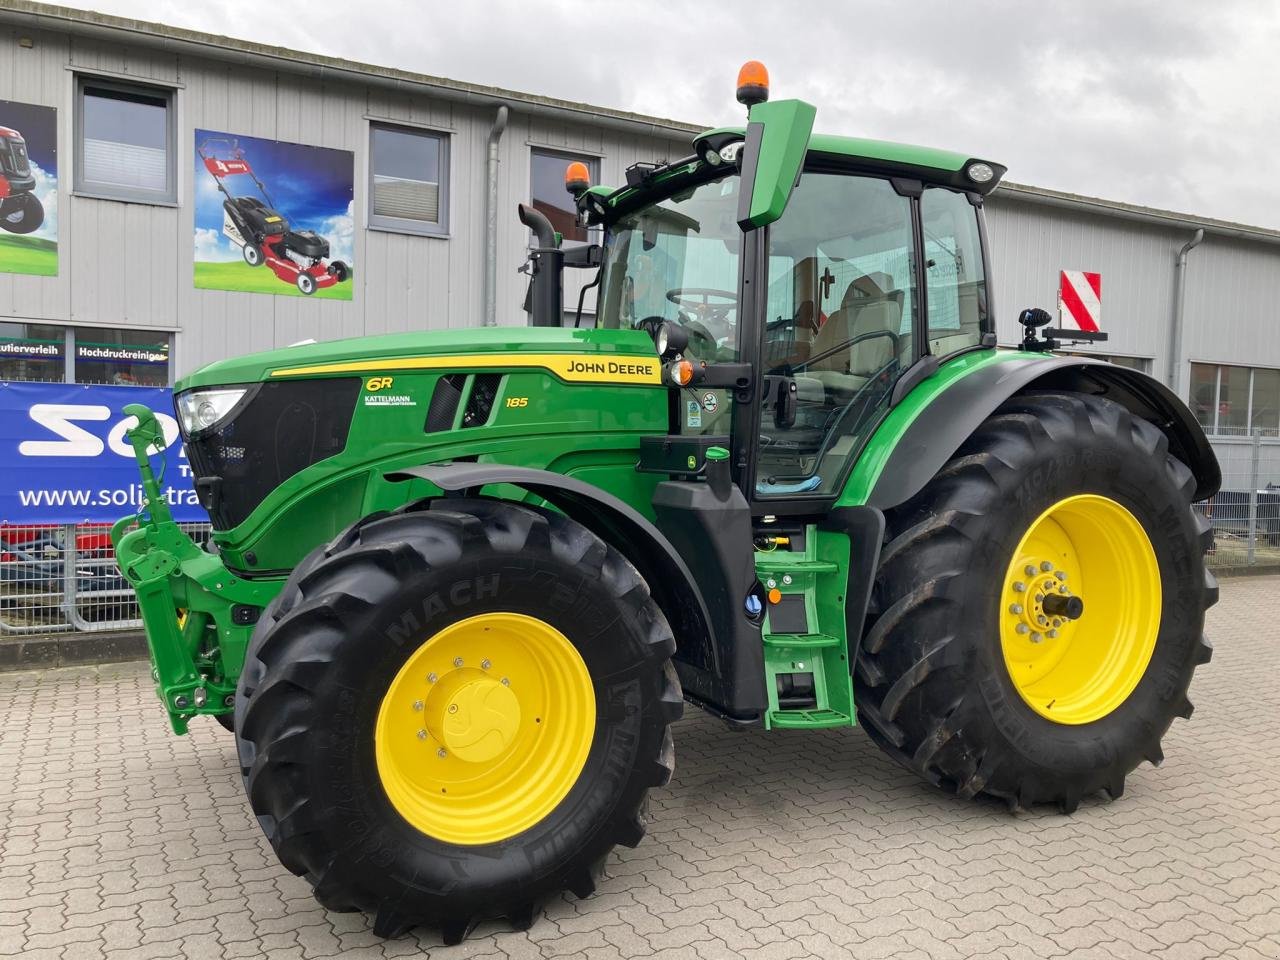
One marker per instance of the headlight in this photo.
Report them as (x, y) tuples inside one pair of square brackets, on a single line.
[(200, 409), (670, 339), (980, 172)]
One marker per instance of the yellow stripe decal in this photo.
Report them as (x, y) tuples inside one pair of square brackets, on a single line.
[(571, 367)]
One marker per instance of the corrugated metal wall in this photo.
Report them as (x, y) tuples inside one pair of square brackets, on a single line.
[(129, 265)]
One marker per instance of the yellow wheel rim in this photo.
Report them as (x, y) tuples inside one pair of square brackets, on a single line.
[(485, 729), (1086, 550)]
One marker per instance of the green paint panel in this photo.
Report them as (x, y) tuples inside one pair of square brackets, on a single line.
[(892, 428), (787, 125)]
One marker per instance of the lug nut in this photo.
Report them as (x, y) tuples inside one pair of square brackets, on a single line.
[(453, 708), (1053, 634), (1046, 566), (1042, 620), (1039, 598), (485, 664), (1019, 586), (422, 734), (432, 678), (1022, 628), (1063, 589), (1061, 575), (1036, 638), (1057, 622), (442, 753), (1015, 608), (506, 682), (1029, 570), (417, 704), (457, 661)]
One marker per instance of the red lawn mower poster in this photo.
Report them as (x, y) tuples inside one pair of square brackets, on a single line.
[(272, 217), (28, 189)]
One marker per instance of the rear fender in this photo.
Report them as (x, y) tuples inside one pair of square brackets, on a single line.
[(943, 426)]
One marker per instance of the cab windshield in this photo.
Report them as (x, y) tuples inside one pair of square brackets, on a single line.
[(677, 260)]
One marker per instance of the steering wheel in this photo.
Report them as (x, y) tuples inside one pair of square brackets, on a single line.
[(697, 300)]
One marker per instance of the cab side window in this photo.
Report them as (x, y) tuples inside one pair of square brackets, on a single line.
[(956, 284), (842, 304)]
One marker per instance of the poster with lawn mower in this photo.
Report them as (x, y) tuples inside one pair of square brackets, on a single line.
[(28, 189), (272, 217)]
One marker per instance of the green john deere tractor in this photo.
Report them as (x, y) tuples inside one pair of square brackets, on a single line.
[(461, 582)]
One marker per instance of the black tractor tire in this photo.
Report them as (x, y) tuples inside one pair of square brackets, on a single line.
[(931, 683), (326, 650), (22, 213)]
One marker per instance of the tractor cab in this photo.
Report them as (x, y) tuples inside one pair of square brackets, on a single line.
[(800, 315)]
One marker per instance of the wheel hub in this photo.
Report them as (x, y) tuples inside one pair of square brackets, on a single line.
[(472, 715), (1040, 602)]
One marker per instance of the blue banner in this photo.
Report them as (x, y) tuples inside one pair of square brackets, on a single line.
[(64, 457)]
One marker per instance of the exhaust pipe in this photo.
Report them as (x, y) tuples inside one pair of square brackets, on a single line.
[(545, 299)]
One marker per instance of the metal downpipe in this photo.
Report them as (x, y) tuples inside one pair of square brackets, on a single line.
[(490, 316), (1179, 295)]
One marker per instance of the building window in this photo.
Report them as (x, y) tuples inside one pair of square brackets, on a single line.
[(98, 355), (33, 352), (546, 190), (128, 358), (1236, 401), (124, 142), (408, 180)]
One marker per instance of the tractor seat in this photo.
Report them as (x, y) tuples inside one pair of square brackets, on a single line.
[(870, 304)]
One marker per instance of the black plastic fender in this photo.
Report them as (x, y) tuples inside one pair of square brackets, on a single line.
[(670, 581), (940, 429)]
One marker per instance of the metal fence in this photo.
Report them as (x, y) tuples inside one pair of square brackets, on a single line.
[(63, 578), (1246, 511)]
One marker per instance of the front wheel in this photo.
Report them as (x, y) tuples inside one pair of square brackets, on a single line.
[(1039, 607), (456, 711), (252, 254), (306, 283)]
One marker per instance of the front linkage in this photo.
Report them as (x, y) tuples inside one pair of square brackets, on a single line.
[(197, 615)]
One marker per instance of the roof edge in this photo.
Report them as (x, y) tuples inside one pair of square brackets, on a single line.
[(1131, 211), (219, 47)]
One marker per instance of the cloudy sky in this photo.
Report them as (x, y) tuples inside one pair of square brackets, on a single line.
[(1168, 103)]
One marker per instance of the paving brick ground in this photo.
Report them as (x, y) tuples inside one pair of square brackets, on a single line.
[(120, 840)]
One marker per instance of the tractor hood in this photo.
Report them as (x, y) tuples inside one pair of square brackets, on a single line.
[(485, 348)]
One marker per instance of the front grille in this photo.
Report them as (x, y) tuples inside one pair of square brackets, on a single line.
[(285, 428)]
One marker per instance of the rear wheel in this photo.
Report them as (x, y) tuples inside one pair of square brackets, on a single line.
[(455, 711), (1039, 608)]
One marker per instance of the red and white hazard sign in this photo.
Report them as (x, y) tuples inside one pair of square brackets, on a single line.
[(1080, 300)]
